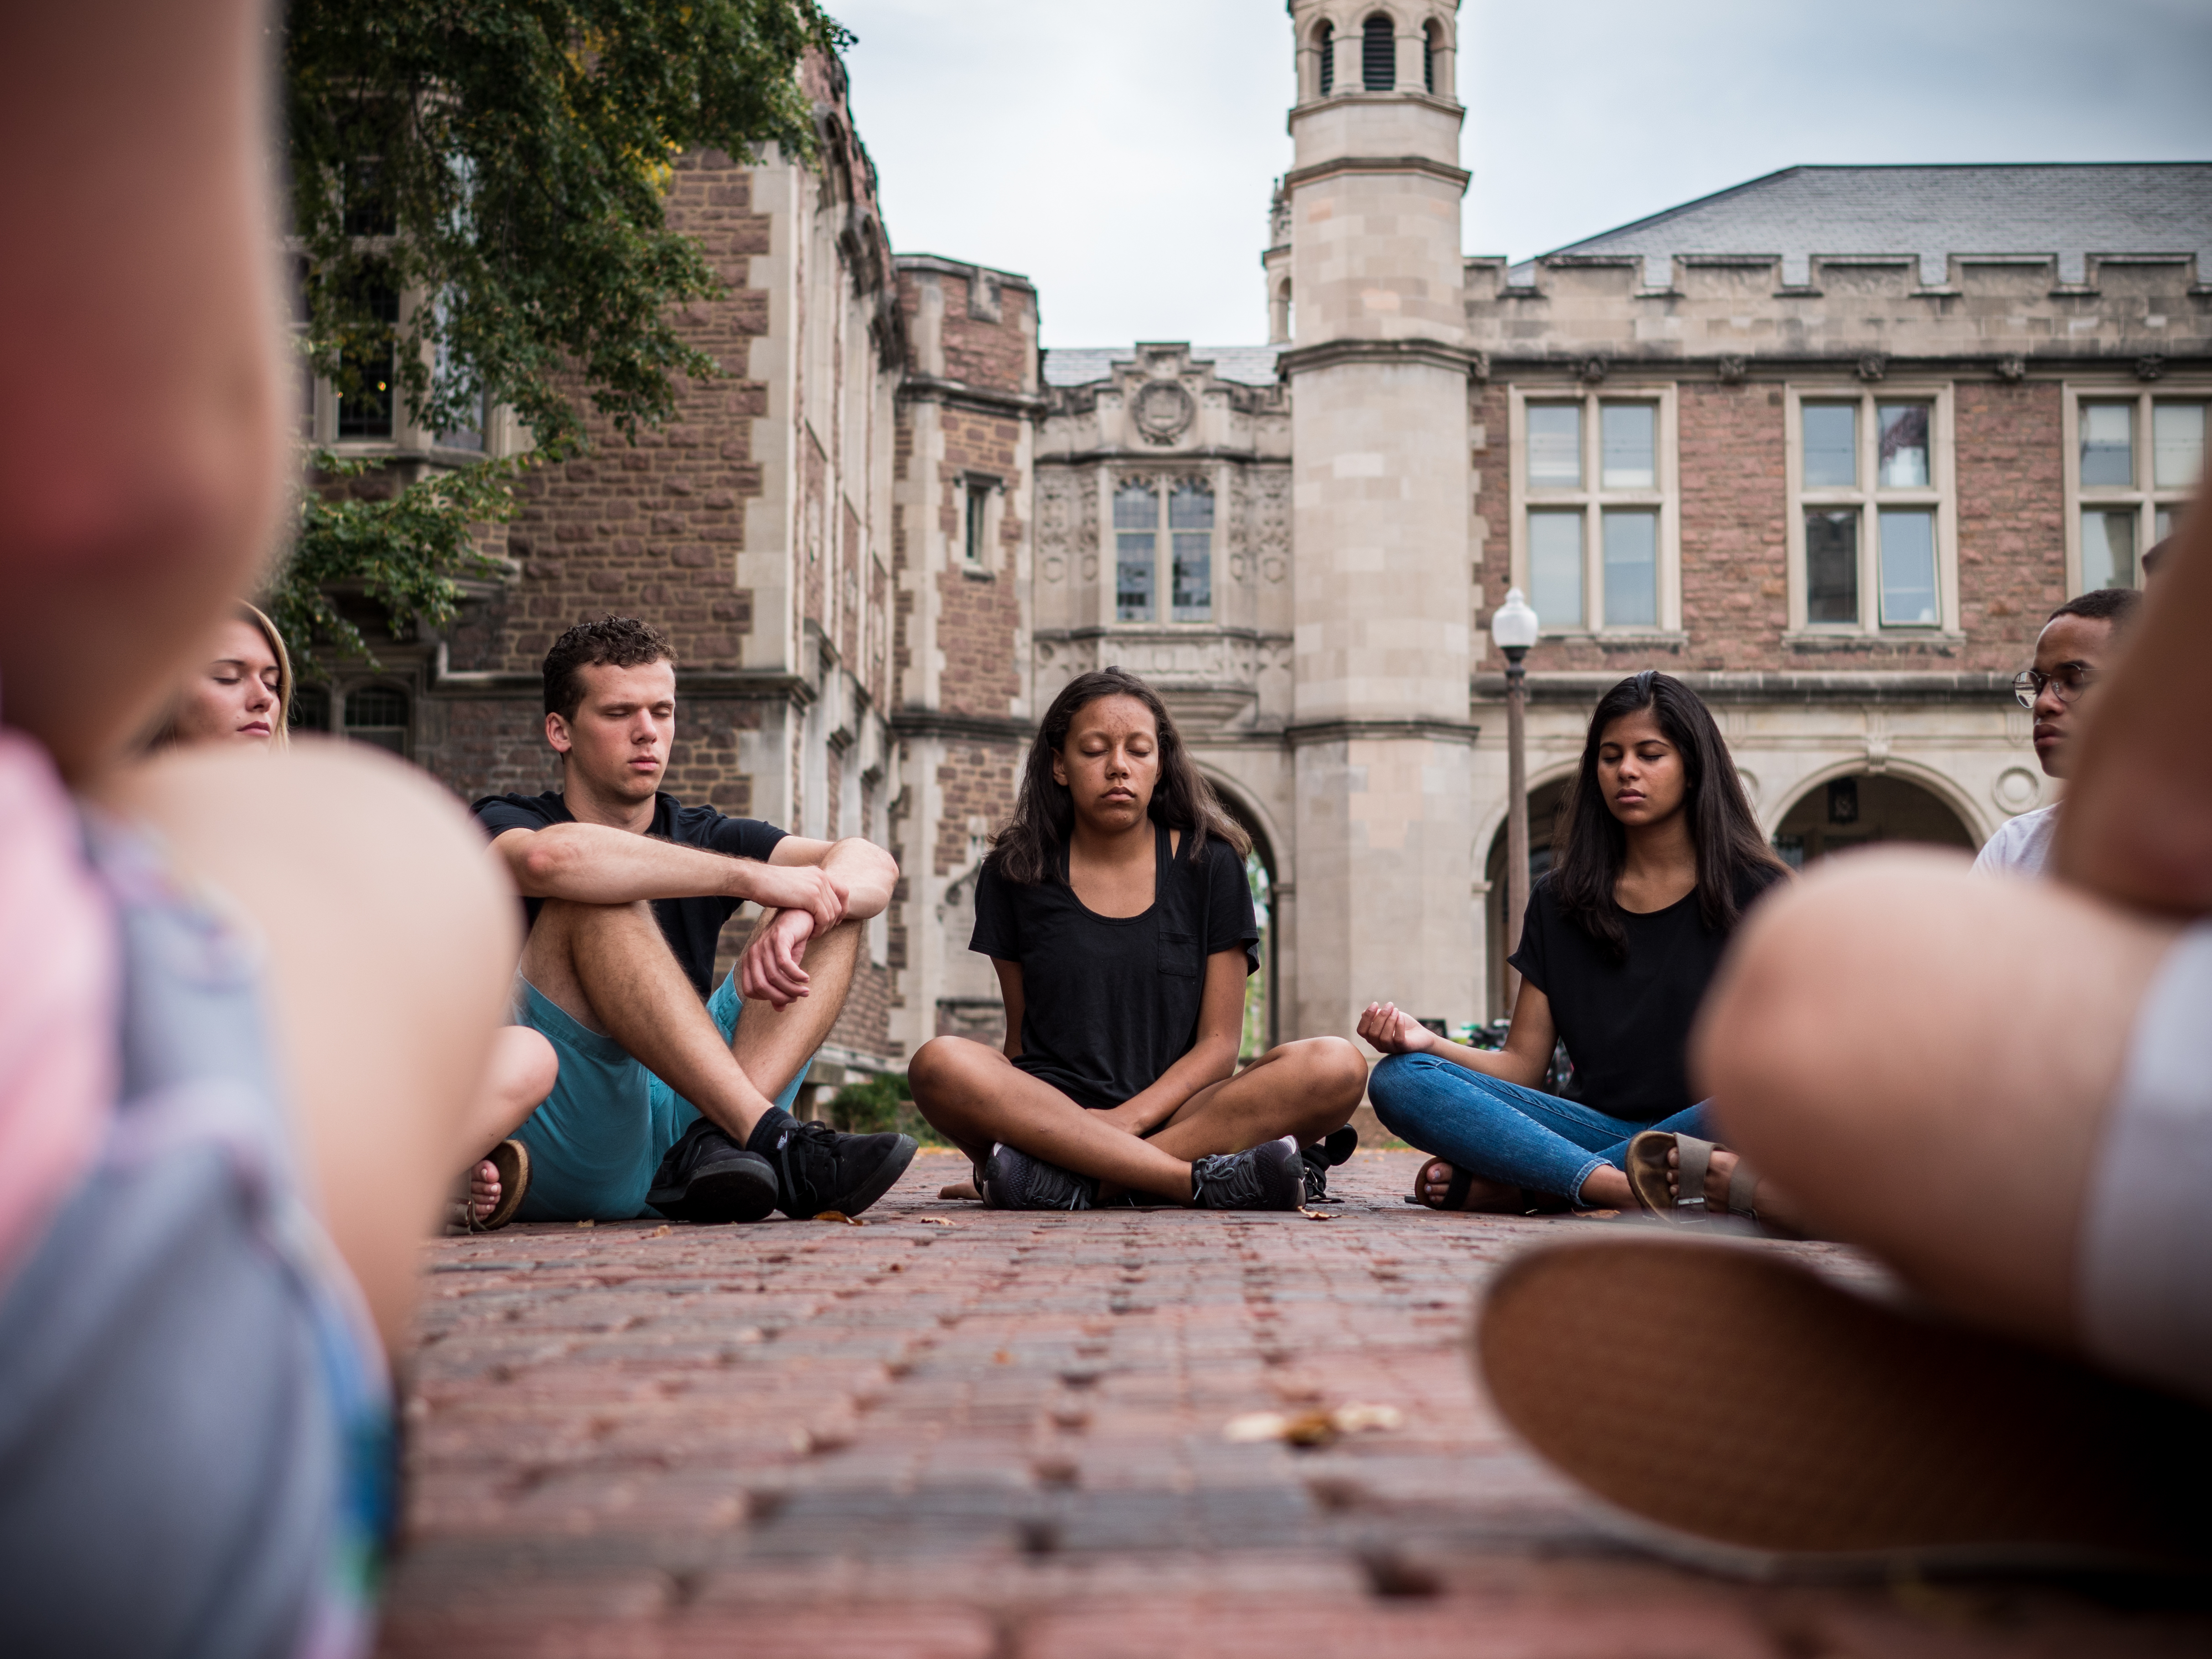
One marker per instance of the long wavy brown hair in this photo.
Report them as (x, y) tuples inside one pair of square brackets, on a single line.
[(1027, 846), (1721, 824)]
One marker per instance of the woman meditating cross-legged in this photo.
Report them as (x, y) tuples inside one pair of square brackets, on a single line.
[(1114, 908), (1661, 856)]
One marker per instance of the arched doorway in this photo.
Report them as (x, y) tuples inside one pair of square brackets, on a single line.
[(1547, 809), (1862, 808), (1261, 1014)]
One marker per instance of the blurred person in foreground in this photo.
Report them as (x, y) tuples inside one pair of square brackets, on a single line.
[(2003, 1091), (241, 694), (220, 1140), (2076, 649)]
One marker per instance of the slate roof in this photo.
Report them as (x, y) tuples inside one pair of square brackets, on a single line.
[(1081, 365), (2071, 210)]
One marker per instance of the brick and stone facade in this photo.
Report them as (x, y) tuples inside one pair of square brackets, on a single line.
[(895, 527)]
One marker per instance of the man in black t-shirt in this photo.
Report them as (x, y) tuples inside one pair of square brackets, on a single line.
[(669, 1096)]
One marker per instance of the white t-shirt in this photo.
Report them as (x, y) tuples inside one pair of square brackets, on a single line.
[(2022, 845)]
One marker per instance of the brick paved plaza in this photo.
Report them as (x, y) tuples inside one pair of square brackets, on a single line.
[(965, 1435)]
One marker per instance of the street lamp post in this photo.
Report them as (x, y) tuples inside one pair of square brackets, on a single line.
[(1513, 627)]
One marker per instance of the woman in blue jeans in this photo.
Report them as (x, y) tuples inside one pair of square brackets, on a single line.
[(1661, 858)]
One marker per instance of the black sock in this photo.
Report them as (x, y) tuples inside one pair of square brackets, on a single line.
[(768, 1134)]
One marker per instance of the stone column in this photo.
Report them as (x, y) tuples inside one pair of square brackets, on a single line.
[(1378, 370)]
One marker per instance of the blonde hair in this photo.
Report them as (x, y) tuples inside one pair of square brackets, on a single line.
[(280, 735)]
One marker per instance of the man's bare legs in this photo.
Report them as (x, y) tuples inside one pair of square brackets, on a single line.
[(974, 1095), (385, 1039), (609, 967), (1953, 1134)]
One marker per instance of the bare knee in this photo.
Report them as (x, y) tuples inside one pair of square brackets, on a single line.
[(944, 1066), (524, 1066)]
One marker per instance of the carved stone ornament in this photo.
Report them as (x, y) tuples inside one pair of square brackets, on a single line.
[(1592, 370), (2149, 368), (1873, 367), (2012, 370), (1732, 370), (1163, 411)]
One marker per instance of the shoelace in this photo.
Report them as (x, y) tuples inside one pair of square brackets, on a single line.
[(801, 1132)]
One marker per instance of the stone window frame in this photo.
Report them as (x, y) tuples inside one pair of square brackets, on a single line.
[(1161, 482), (2145, 496), (1591, 498), (982, 502), (503, 433), (1941, 493)]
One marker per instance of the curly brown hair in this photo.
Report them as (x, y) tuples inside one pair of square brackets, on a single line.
[(622, 641)]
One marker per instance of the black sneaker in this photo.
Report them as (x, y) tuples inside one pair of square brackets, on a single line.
[(817, 1168), (1269, 1176), (1010, 1180), (1324, 1155), (708, 1178)]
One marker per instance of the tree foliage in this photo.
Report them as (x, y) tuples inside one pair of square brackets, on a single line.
[(511, 159), (507, 162), (404, 553)]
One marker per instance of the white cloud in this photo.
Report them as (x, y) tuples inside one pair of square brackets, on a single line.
[(1121, 156)]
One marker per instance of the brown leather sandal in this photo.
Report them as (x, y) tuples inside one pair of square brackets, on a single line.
[(511, 1159), (1647, 1176)]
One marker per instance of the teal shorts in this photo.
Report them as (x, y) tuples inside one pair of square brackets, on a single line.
[(596, 1141)]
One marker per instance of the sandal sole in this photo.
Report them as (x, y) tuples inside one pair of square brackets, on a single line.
[(1736, 1398)]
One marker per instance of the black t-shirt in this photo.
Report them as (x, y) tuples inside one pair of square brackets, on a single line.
[(1626, 1023), (691, 926), (1110, 1002)]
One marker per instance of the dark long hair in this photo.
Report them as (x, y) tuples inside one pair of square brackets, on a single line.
[(1722, 827), (1028, 844)]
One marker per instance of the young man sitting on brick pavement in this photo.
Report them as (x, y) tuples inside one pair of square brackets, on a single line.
[(2076, 647), (1114, 908), (669, 1097)]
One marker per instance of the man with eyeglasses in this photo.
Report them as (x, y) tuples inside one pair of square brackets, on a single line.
[(2073, 651)]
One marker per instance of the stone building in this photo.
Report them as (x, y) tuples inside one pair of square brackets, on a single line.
[(1828, 445)]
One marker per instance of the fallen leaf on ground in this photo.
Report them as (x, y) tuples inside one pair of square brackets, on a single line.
[(1312, 1428), (933, 1221), (587, 1223), (839, 1215), (662, 1231), (1316, 1215), (961, 1189)]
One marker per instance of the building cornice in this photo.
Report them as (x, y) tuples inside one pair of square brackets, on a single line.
[(1309, 732), (1329, 354), (1861, 686), (440, 679), (983, 400), (974, 728), (1337, 166), (1163, 457), (1595, 363), (945, 267)]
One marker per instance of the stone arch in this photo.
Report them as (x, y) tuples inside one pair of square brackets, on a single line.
[(1547, 792), (1899, 801), (1269, 847), (1378, 52), (1322, 43)]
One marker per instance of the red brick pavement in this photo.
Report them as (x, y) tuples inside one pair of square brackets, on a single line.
[(1002, 1438)]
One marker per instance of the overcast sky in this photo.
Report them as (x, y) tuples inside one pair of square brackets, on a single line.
[(1121, 154)]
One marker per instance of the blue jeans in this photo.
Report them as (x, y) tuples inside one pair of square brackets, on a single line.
[(1503, 1131)]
